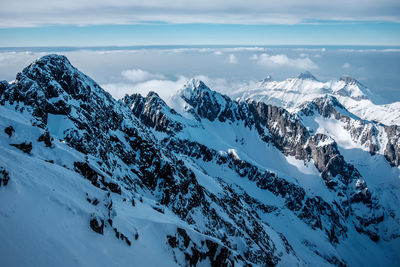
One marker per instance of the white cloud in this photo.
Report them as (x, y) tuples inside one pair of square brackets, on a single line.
[(167, 88), (100, 12), (164, 88), (119, 90), (217, 52), (232, 59), (254, 57), (390, 50), (282, 60), (346, 65), (138, 75)]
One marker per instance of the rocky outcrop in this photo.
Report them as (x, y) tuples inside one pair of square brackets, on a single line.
[(207, 250), (9, 131), (46, 139), (97, 225), (24, 147), (153, 112), (392, 149), (4, 177)]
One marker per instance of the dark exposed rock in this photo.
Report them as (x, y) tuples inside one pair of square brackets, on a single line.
[(151, 110), (96, 178), (122, 236), (160, 210), (97, 225), (392, 150), (45, 137), (86, 171), (3, 86), (195, 253), (203, 100), (9, 130), (25, 147), (172, 241), (93, 201), (184, 235), (4, 177)]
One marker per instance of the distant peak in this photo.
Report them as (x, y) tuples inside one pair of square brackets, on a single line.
[(307, 76), (267, 79), (348, 79)]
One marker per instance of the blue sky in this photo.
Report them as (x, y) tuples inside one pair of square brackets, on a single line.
[(318, 33), (184, 22)]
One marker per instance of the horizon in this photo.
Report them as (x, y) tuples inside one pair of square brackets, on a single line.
[(224, 68), (77, 47)]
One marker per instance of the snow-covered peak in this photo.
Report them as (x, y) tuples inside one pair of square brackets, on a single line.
[(194, 85), (50, 65), (193, 88), (348, 79), (350, 87), (307, 76), (53, 76), (267, 79), (198, 99), (291, 93)]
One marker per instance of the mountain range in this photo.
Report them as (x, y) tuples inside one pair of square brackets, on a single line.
[(297, 172)]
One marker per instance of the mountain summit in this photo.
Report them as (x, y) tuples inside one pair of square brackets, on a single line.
[(307, 76)]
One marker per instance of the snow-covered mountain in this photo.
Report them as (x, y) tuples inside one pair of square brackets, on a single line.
[(205, 181), (293, 92)]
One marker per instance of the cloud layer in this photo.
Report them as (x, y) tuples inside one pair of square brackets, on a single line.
[(167, 69), (232, 59), (282, 60), (101, 12), (138, 75)]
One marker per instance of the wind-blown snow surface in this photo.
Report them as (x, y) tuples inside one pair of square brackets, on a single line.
[(209, 182)]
